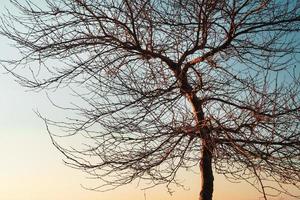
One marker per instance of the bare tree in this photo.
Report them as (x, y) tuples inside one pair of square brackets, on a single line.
[(170, 84)]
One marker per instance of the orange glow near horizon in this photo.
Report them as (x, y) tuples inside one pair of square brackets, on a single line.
[(33, 170)]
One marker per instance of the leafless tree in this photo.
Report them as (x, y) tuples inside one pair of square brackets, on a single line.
[(169, 84)]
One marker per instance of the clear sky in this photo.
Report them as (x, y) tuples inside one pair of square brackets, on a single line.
[(32, 169)]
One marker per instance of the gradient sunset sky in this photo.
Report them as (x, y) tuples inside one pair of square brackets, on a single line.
[(32, 169)]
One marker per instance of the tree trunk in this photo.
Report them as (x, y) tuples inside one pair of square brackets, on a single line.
[(207, 148), (201, 124), (206, 174)]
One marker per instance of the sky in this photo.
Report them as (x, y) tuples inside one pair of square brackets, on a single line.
[(32, 169)]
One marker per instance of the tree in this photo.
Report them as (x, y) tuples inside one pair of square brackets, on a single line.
[(169, 85)]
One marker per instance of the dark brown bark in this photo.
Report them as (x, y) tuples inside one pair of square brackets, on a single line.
[(206, 174), (206, 154)]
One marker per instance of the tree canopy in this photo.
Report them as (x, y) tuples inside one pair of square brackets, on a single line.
[(169, 84)]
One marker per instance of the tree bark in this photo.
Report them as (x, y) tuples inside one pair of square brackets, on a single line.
[(206, 173), (202, 126), (206, 192)]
